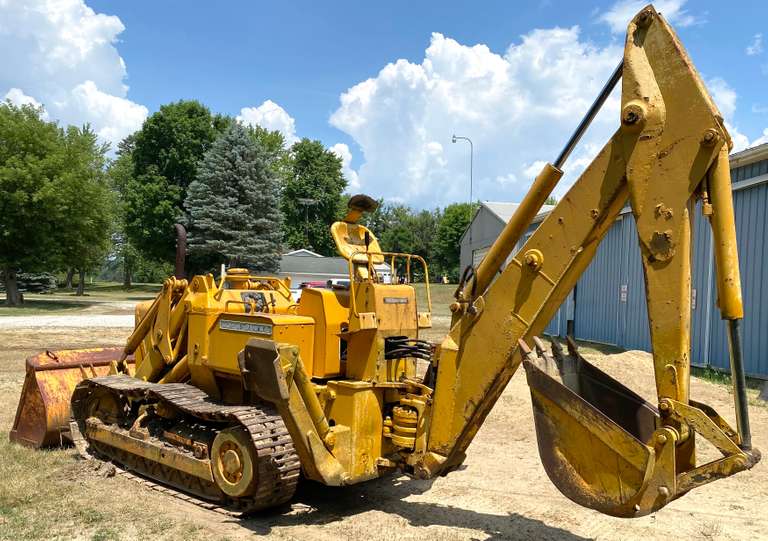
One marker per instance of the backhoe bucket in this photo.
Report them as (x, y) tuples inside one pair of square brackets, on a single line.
[(42, 417), (591, 432), (606, 448)]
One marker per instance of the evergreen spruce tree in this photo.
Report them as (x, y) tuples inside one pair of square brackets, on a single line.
[(234, 205)]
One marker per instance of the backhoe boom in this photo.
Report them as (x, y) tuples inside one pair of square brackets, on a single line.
[(671, 148)]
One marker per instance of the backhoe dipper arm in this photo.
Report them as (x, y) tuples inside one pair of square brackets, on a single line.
[(672, 146)]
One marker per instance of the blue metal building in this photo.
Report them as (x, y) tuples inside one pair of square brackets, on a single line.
[(610, 296), (610, 305)]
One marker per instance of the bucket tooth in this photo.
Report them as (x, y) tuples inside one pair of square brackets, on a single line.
[(573, 348), (557, 352), (605, 447), (592, 433), (539, 345)]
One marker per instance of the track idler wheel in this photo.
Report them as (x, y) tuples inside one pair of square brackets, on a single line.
[(106, 406), (233, 459)]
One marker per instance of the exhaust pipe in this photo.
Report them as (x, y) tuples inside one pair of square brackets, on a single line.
[(181, 251)]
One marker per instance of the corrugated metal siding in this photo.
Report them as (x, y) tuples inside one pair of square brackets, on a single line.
[(701, 288), (553, 328), (483, 231), (749, 171), (602, 316), (633, 314), (597, 294)]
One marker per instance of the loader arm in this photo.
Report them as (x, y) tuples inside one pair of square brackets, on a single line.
[(671, 147)]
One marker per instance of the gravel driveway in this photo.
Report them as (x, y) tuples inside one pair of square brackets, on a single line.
[(110, 321)]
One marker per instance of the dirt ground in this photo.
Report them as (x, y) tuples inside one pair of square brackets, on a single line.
[(501, 493)]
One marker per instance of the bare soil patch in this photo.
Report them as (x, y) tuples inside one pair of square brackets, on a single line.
[(501, 493)]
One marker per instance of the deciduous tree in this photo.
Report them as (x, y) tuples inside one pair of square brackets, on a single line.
[(165, 156), (84, 213), (447, 249), (55, 205), (312, 196), (152, 206), (120, 174), (30, 162)]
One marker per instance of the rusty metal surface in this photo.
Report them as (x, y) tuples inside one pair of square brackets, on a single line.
[(276, 461), (42, 417), (151, 449), (606, 448), (591, 432)]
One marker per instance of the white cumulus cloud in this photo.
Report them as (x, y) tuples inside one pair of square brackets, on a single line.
[(63, 54), (756, 47), (534, 169), (342, 151), (518, 107), (112, 116), (762, 139), (270, 116), (619, 14), (17, 97), (725, 98)]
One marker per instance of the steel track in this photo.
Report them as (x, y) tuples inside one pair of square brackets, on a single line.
[(277, 463)]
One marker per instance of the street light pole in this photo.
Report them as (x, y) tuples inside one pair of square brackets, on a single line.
[(307, 202), (471, 160), (471, 167)]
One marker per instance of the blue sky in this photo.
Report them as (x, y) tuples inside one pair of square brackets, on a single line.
[(394, 131)]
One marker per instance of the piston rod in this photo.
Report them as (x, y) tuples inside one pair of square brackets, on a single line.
[(541, 188), (739, 384), (587, 120)]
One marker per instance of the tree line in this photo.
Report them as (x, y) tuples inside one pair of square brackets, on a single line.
[(243, 194)]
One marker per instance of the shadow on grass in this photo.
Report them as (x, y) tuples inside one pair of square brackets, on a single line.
[(119, 289), (35, 305), (326, 505)]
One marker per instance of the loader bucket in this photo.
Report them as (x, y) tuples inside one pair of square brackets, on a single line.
[(592, 433), (42, 417)]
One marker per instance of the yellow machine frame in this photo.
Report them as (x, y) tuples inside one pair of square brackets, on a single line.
[(359, 394)]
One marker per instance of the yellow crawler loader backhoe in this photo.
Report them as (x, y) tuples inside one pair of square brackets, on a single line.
[(230, 391)]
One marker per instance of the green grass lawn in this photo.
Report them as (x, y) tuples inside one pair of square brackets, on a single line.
[(442, 297), (64, 301)]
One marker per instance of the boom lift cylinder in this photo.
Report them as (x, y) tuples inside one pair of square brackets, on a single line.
[(227, 391), (541, 188)]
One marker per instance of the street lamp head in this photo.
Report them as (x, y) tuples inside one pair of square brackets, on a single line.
[(453, 139)]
